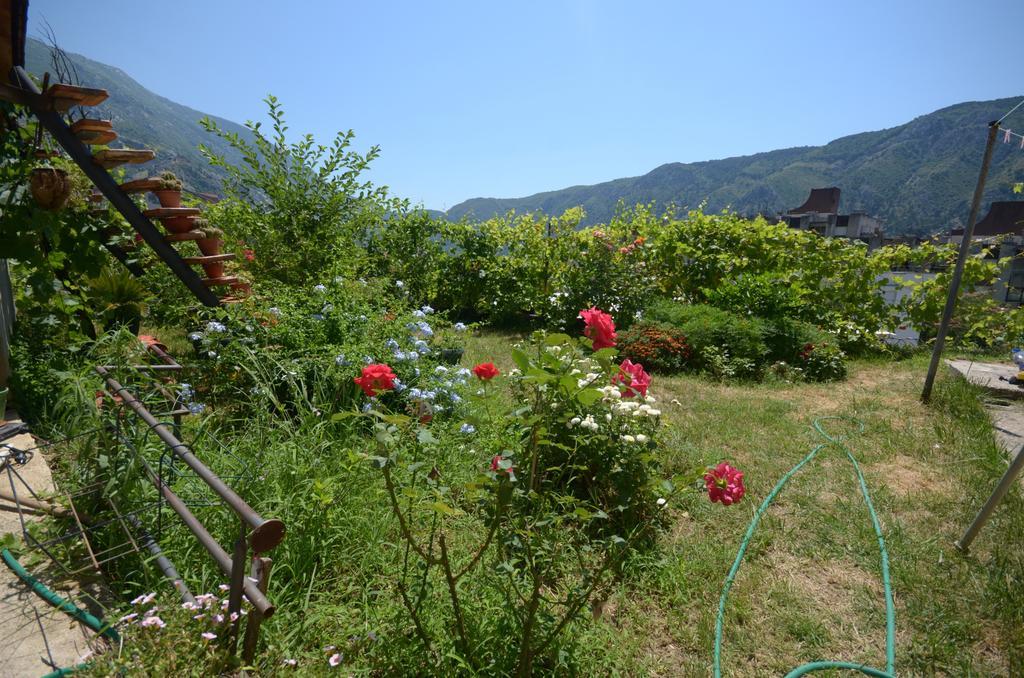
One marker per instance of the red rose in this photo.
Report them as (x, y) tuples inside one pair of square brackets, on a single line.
[(725, 484), (600, 328), (249, 254), (376, 378), (633, 377), (486, 371)]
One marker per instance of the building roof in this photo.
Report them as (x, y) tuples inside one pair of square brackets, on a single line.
[(1004, 216), (821, 200)]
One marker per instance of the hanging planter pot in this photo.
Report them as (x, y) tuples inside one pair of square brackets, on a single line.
[(169, 191), (212, 240), (50, 188), (168, 197), (214, 269)]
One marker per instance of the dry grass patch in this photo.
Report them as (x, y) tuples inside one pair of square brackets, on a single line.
[(907, 477)]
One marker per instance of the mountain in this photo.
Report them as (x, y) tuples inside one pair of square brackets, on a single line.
[(918, 177), (143, 119)]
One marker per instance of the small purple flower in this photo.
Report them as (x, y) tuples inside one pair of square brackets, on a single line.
[(335, 659), (153, 622), (207, 635)]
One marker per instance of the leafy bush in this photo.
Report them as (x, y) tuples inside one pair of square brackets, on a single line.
[(786, 338), (299, 205), (822, 362), (765, 295), (659, 347), (722, 342), (571, 489)]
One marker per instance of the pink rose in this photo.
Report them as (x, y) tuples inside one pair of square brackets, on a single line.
[(600, 328), (633, 378), (725, 484), (376, 378)]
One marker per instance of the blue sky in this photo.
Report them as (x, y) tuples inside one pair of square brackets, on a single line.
[(494, 99)]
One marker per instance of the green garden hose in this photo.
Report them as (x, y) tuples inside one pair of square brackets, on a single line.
[(890, 612), (62, 604)]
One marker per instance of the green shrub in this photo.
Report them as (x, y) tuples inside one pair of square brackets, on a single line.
[(659, 347), (822, 362), (786, 338), (765, 295), (722, 342)]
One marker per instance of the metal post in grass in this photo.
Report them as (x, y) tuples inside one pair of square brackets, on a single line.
[(964, 543), (961, 260), (237, 582), (261, 573)]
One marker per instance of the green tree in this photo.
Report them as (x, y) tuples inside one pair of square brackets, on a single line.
[(299, 205)]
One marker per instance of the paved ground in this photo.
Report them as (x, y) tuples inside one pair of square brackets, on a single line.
[(995, 377), (1005, 404), (23, 615)]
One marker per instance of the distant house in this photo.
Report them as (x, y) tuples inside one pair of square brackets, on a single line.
[(1003, 226), (820, 213)]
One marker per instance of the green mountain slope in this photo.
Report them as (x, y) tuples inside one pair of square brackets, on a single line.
[(146, 120), (918, 177)]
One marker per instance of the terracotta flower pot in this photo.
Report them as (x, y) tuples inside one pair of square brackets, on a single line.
[(209, 246), (178, 224), (245, 289), (214, 270), (168, 197), (50, 187)]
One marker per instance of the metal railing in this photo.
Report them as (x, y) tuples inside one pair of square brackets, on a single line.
[(256, 536)]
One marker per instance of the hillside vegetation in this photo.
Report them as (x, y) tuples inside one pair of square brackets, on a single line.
[(918, 177), (147, 120)]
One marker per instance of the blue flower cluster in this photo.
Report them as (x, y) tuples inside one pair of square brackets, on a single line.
[(441, 391), (186, 396)]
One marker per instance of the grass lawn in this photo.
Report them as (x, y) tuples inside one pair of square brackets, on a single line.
[(810, 587)]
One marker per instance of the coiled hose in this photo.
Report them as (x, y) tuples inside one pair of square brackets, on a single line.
[(890, 612)]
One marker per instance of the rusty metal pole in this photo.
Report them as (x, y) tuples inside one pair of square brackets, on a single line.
[(961, 260), (261, 573), (237, 582)]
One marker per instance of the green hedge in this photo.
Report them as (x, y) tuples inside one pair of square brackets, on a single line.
[(732, 345)]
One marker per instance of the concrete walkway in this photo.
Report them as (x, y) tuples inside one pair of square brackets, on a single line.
[(25, 649)]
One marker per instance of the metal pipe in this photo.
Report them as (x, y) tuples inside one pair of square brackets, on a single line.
[(163, 355), (220, 557), (162, 561), (1016, 466), (144, 368), (961, 260), (266, 533)]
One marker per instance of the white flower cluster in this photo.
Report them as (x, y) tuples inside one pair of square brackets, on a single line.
[(587, 423), (635, 409)]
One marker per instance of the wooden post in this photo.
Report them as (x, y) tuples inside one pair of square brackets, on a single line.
[(961, 260), (261, 573)]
